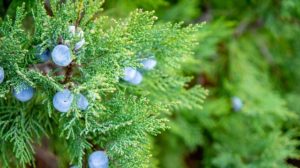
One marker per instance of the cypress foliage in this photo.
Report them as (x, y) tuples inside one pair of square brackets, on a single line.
[(121, 116), (246, 55)]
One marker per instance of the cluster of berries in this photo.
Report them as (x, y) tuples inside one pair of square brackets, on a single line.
[(135, 77), (62, 56), (62, 101)]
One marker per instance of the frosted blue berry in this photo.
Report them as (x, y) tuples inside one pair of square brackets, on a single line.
[(237, 104), (137, 78), (98, 159), (61, 55), (129, 73), (1, 74), (62, 101), (149, 63), (23, 92), (45, 56), (82, 102)]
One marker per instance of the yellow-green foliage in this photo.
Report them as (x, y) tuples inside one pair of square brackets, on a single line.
[(121, 116)]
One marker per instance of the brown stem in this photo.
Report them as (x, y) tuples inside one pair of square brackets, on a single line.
[(48, 7), (69, 73), (60, 40)]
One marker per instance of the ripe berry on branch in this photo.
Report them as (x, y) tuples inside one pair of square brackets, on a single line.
[(2, 75), (129, 73), (149, 63), (98, 159), (132, 76), (44, 56), (137, 78), (82, 102), (23, 92), (62, 101), (61, 55), (237, 103)]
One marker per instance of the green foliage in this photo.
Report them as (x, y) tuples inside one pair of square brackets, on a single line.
[(120, 8), (120, 117), (251, 53), (251, 137), (248, 49)]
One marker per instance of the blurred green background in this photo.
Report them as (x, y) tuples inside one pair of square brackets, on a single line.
[(249, 49)]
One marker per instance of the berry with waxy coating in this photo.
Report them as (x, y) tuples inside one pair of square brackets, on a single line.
[(82, 102), (237, 104), (44, 56), (138, 78), (149, 63), (23, 92), (98, 159), (62, 101), (2, 74), (61, 55), (129, 73)]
